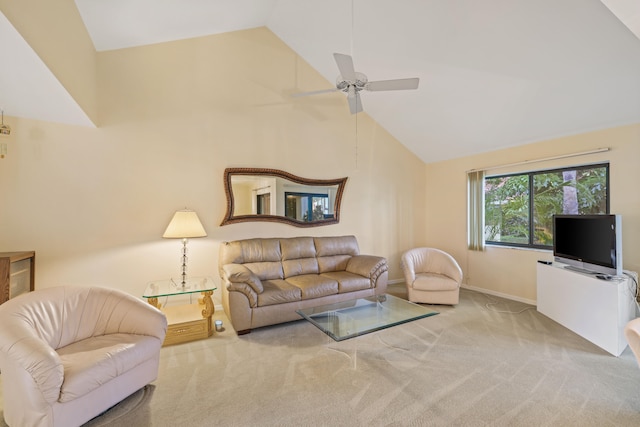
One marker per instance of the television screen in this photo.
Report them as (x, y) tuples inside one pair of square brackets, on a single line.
[(589, 242)]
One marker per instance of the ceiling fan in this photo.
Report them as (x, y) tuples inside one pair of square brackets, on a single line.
[(352, 83)]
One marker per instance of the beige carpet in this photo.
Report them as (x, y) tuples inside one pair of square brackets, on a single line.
[(475, 364)]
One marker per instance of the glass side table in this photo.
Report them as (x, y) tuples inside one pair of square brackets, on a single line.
[(187, 322)]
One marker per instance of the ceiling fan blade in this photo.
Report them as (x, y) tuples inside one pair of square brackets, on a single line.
[(355, 102), (399, 84), (345, 65), (315, 92)]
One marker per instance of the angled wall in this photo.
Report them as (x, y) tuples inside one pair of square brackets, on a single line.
[(55, 31)]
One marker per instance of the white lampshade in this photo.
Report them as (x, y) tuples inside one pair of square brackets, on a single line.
[(184, 224)]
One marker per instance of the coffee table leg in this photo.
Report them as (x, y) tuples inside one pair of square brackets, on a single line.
[(153, 302)]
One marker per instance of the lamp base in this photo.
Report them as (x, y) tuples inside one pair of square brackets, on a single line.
[(184, 262)]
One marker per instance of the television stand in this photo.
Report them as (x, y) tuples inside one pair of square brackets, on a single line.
[(595, 309)]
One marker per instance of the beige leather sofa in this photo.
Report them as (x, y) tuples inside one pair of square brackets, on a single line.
[(264, 281), (67, 354)]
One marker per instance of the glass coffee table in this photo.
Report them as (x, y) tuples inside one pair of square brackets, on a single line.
[(348, 319)]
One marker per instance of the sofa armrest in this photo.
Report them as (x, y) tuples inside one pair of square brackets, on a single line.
[(238, 273), (369, 266), (245, 289)]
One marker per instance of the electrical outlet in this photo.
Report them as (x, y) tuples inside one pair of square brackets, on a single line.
[(3, 150)]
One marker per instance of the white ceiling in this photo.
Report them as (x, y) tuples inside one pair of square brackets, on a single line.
[(493, 73)]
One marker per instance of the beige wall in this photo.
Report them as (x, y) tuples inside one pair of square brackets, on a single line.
[(512, 272), (94, 203), (55, 31)]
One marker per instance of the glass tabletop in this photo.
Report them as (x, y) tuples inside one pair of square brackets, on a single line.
[(351, 318), (171, 287)]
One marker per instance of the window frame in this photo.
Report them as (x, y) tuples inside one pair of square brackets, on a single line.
[(530, 175)]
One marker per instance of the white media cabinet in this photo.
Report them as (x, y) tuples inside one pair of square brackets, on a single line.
[(595, 309)]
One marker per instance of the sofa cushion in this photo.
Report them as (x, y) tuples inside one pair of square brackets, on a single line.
[(314, 286), (266, 270), (251, 250), (297, 247), (333, 263), (433, 282), (94, 361), (296, 267), (277, 292), (341, 245), (348, 282)]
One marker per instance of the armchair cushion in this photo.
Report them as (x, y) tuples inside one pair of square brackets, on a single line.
[(92, 362), (434, 282)]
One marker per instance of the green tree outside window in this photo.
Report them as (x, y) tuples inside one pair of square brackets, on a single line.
[(511, 201)]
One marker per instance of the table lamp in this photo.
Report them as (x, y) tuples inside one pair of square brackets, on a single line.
[(184, 225)]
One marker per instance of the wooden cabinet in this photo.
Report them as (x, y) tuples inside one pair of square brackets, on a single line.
[(17, 272)]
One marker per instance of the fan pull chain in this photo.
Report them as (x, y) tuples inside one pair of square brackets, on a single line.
[(356, 142)]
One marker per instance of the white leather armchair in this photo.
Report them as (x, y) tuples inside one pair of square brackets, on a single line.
[(67, 354), (432, 276), (632, 334)]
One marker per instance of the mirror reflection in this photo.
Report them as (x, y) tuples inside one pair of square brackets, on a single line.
[(255, 194)]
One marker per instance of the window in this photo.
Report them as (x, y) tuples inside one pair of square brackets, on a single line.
[(263, 204), (519, 208), (306, 206)]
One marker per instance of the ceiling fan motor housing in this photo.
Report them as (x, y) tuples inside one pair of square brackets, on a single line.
[(359, 84)]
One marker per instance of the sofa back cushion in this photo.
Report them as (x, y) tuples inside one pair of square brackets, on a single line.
[(273, 258), (261, 256), (266, 270), (334, 252), (298, 256), (340, 245), (297, 247), (250, 250)]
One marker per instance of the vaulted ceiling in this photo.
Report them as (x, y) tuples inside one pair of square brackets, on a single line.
[(493, 73)]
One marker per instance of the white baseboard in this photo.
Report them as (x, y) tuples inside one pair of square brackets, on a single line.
[(499, 294)]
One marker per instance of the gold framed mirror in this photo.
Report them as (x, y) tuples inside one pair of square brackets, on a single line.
[(255, 194)]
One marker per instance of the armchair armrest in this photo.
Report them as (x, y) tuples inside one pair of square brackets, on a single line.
[(35, 356), (408, 269), (238, 273), (122, 313), (446, 265)]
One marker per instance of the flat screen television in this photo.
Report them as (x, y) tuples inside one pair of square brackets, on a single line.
[(592, 243)]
